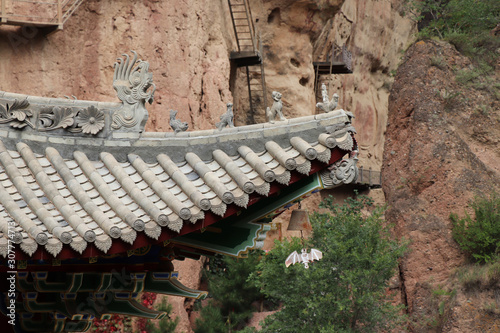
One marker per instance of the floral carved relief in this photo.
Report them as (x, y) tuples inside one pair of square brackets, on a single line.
[(91, 120), (88, 120), (16, 114)]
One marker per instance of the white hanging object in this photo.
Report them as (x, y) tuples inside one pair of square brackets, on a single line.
[(304, 257)]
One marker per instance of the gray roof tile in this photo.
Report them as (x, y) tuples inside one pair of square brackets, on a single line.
[(57, 198)]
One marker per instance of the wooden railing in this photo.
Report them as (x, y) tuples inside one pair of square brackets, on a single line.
[(37, 13)]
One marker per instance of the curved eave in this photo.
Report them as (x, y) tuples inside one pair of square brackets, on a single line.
[(73, 195)]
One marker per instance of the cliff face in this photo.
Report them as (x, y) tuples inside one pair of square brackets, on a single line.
[(297, 33), (441, 149), (186, 43), (377, 35)]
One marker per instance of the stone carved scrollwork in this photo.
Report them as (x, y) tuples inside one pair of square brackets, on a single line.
[(344, 172), (132, 85), (56, 117), (88, 120), (16, 114)]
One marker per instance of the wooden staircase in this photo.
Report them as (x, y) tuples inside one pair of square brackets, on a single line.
[(50, 14), (249, 55), (338, 61)]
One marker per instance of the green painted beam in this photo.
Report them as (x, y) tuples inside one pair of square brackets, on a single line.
[(235, 235), (167, 284)]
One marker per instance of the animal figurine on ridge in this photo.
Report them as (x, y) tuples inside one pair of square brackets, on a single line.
[(227, 118), (176, 124), (276, 109), (327, 105)]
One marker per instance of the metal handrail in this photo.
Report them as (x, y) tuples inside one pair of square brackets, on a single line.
[(251, 27), (263, 78), (369, 177), (64, 10)]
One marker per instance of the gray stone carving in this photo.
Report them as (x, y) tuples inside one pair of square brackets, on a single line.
[(56, 117), (132, 85), (341, 172), (227, 118), (16, 114), (91, 120), (327, 105), (276, 109), (87, 120), (344, 171), (176, 124)]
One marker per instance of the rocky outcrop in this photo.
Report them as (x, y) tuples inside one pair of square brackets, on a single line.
[(440, 151), (377, 35)]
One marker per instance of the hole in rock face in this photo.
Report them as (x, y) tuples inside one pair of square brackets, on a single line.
[(274, 16), (303, 81), (295, 62)]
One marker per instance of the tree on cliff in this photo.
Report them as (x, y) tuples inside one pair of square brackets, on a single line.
[(346, 290), (231, 295), (470, 25)]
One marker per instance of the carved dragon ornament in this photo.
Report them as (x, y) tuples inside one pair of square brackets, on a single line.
[(132, 85)]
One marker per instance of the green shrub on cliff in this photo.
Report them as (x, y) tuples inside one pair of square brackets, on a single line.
[(480, 236), (464, 23), (345, 291), (231, 295)]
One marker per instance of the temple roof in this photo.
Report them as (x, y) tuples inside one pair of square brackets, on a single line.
[(69, 191)]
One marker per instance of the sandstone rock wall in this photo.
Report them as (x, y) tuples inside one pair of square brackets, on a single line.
[(186, 43), (441, 151), (297, 33)]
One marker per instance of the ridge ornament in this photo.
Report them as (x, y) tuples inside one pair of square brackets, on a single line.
[(132, 85)]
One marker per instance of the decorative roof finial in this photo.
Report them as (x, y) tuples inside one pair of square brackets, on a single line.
[(131, 85), (276, 109), (227, 118), (327, 106), (176, 124)]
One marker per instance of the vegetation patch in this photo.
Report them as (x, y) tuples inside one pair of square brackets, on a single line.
[(480, 236), (468, 25), (345, 291), (479, 277), (231, 296)]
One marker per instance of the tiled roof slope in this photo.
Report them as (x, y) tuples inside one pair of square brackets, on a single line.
[(58, 193)]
